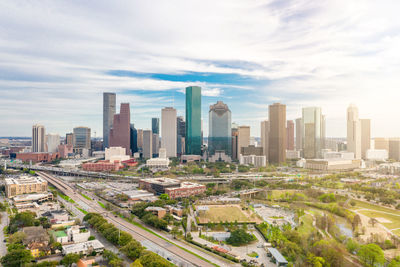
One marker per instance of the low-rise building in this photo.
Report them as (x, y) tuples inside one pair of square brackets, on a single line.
[(186, 189), (220, 156), (251, 150), (86, 262), (157, 211), (338, 155), (25, 185), (78, 234), (37, 240), (56, 216), (292, 154), (84, 248), (60, 237), (101, 165), (36, 157), (174, 188), (256, 161), (162, 162), (377, 154), (333, 164), (66, 151)]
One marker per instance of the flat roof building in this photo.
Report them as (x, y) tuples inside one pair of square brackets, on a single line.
[(25, 185)]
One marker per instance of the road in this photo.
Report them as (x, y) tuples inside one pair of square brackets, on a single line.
[(4, 222), (184, 258)]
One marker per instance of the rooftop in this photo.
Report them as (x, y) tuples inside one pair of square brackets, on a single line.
[(60, 234), (24, 179), (73, 248), (277, 255), (31, 197), (161, 181)]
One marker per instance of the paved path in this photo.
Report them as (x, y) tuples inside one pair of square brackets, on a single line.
[(4, 222)]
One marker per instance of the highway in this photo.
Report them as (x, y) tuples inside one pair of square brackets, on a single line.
[(185, 258)]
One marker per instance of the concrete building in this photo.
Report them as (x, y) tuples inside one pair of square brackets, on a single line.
[(169, 131), (114, 154), (365, 136), (186, 189), (290, 135), (377, 154), (78, 234), (120, 133), (69, 139), (65, 151), (38, 138), (147, 144), (155, 145), (220, 131), (299, 134), (101, 166), (162, 162), (157, 211), (37, 157), (394, 149), (25, 185), (193, 137), (180, 129), (292, 154), (338, 155), (277, 133), (313, 131), (353, 131), (265, 137), (109, 109), (174, 188), (220, 156), (235, 141), (155, 125), (84, 248), (140, 139), (252, 150), (333, 164), (81, 139), (381, 143), (256, 161), (243, 137), (52, 142)]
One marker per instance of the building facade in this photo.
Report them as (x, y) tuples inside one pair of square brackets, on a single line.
[(290, 135), (121, 129), (365, 137), (38, 138), (147, 144), (220, 132), (265, 137), (299, 134), (243, 138), (181, 129), (109, 106), (353, 131), (312, 132), (133, 136), (155, 125), (25, 185), (277, 133), (169, 131), (52, 141), (193, 138), (81, 139)]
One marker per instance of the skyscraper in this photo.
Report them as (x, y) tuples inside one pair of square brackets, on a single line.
[(52, 141), (265, 137), (147, 144), (181, 129), (243, 138), (313, 131), (81, 139), (235, 140), (365, 136), (133, 136), (121, 129), (69, 139), (140, 139), (277, 133), (299, 134), (169, 131), (353, 131), (290, 135), (155, 126), (155, 144), (108, 116), (38, 138), (220, 131), (193, 121)]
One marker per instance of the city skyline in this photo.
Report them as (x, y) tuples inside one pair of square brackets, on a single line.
[(288, 56)]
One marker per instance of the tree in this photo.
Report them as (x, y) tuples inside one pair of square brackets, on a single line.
[(132, 250), (91, 238), (352, 245), (371, 254), (151, 259), (373, 221), (394, 262), (17, 237), (175, 231), (69, 259), (136, 263), (240, 237), (16, 258), (356, 222), (164, 197)]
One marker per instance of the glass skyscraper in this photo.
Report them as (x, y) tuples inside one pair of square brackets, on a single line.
[(155, 125), (312, 132), (220, 131), (193, 120)]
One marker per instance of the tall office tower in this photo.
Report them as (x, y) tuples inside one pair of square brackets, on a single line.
[(81, 139), (290, 135), (381, 143), (235, 139), (365, 137), (312, 132), (133, 136), (299, 134), (394, 149), (52, 141), (120, 133), (353, 131), (108, 116), (38, 138), (265, 137), (243, 138), (155, 144), (69, 139), (219, 129), (169, 131), (323, 132), (155, 126), (140, 139), (180, 129), (277, 133), (193, 121), (147, 144)]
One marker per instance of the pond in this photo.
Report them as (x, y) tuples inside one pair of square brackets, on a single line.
[(344, 230)]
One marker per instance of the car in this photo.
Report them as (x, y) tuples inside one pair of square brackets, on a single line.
[(115, 216), (4, 241)]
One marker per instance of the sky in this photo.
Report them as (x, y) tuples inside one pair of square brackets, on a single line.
[(58, 57)]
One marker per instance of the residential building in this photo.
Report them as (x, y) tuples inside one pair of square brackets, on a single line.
[(120, 133), (38, 138), (81, 139), (365, 136), (169, 131), (37, 240), (25, 185), (157, 211), (353, 131), (109, 110), (220, 132), (193, 140), (147, 144), (290, 135), (265, 137), (243, 138), (277, 133)]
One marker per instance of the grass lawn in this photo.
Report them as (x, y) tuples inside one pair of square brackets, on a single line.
[(83, 211), (394, 220), (85, 196), (307, 226), (67, 198), (365, 205), (101, 204), (218, 214), (396, 232), (253, 254)]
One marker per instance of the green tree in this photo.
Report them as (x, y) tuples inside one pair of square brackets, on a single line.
[(240, 237), (164, 197), (175, 231), (151, 259), (136, 263), (17, 237), (132, 250), (371, 255), (352, 245), (16, 258), (69, 259)]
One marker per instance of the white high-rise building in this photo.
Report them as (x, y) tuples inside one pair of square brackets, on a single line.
[(38, 138), (53, 141), (353, 131), (168, 131)]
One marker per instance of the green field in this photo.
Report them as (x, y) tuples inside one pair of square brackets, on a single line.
[(101, 204), (218, 214), (394, 219), (306, 224), (67, 198), (365, 205), (85, 196)]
